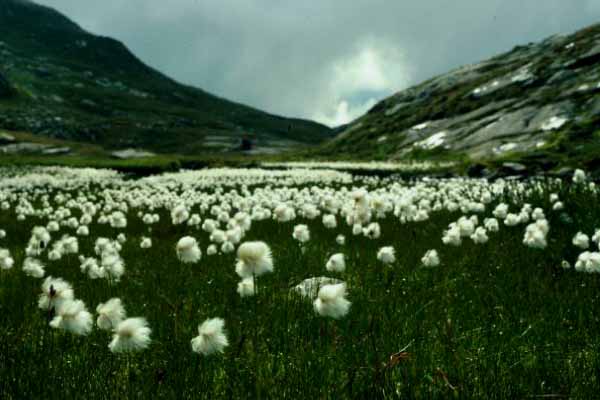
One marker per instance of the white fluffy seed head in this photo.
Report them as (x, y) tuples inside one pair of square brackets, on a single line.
[(431, 259), (254, 258), (387, 255), (34, 268), (132, 334), (72, 316), (331, 301), (336, 263), (211, 337), (55, 291), (188, 250), (245, 287), (110, 314)]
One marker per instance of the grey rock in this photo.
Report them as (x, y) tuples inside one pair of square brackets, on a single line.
[(5, 139), (514, 168), (56, 151), (127, 154), (23, 148)]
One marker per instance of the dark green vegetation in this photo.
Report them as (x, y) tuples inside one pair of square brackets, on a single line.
[(505, 101), (60, 81), (498, 320)]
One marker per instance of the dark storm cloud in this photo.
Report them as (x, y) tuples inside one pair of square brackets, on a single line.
[(323, 59)]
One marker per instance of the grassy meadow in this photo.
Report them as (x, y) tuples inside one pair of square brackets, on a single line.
[(498, 319)]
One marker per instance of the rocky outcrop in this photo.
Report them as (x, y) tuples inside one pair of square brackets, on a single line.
[(531, 100)]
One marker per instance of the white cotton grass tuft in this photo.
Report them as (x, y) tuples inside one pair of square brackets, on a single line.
[(211, 337), (301, 233), (6, 261), (581, 240), (72, 316), (331, 301), (329, 221), (34, 268), (90, 267), (132, 334), (480, 235), (373, 231), (227, 248), (245, 287), (253, 259), (55, 291), (113, 266), (179, 214), (340, 239), (452, 236), (588, 262), (146, 243), (336, 263), (110, 314), (188, 250), (536, 233), (121, 238), (431, 259), (387, 255), (579, 176), (211, 250), (491, 224)]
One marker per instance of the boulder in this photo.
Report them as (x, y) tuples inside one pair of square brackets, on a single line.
[(513, 168), (23, 148), (127, 154), (56, 151), (5, 139)]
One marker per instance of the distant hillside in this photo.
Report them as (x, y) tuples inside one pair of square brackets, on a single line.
[(62, 82), (539, 103)]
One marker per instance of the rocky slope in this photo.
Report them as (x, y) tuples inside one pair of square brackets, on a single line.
[(539, 104), (62, 82)]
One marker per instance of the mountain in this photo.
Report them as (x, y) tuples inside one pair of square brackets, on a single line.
[(539, 104), (59, 81)]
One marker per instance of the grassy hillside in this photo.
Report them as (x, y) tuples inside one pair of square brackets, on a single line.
[(70, 84)]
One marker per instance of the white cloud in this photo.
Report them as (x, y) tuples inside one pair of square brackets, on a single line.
[(342, 113), (306, 58), (374, 66)]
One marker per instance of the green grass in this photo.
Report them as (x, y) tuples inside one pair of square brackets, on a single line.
[(498, 320)]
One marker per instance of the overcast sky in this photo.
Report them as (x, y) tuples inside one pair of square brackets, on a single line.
[(328, 60)]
